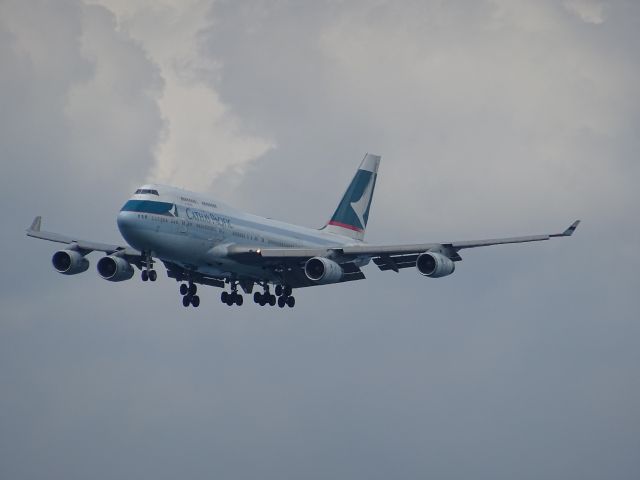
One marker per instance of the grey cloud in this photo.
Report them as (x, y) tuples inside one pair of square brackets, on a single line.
[(493, 118)]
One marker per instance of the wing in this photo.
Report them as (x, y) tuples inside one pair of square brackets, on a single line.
[(85, 246), (386, 257)]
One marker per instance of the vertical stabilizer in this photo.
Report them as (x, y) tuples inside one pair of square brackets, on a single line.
[(351, 216)]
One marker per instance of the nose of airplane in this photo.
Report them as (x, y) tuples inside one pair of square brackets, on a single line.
[(125, 221)]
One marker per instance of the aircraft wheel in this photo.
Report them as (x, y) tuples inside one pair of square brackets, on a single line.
[(195, 301), (272, 300), (224, 297), (153, 276), (256, 297), (282, 302), (184, 289), (287, 291), (239, 300), (192, 289), (291, 302), (144, 275), (186, 300), (278, 290)]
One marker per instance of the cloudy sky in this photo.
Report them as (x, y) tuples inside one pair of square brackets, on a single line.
[(493, 117)]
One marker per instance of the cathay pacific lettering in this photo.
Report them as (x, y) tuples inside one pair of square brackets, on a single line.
[(207, 217), (239, 252)]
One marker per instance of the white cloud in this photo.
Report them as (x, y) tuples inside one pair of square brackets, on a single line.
[(203, 137), (589, 11)]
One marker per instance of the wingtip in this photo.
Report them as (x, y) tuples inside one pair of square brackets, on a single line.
[(572, 228), (35, 225)]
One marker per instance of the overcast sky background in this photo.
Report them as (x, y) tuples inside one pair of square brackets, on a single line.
[(494, 117)]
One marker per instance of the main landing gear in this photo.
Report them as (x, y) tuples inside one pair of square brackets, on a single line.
[(263, 298), (282, 297), (232, 298), (148, 273), (282, 292), (189, 296)]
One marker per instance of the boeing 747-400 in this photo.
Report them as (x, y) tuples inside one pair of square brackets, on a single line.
[(202, 241)]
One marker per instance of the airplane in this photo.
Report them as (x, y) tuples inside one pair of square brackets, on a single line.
[(202, 241)]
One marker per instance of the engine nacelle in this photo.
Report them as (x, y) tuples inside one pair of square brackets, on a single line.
[(322, 270), (69, 262), (114, 269), (434, 265)]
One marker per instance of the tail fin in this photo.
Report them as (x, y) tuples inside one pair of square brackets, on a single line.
[(351, 216)]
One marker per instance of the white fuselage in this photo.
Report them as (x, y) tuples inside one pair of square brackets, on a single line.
[(192, 231)]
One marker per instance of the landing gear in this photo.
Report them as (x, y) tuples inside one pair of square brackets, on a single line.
[(283, 293), (191, 300), (232, 298), (189, 296), (148, 273), (285, 297), (263, 298)]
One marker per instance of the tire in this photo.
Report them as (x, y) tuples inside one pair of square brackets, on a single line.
[(239, 300), (287, 291), (282, 301), (278, 290), (224, 297), (186, 300), (153, 275), (184, 289), (291, 302), (257, 297), (272, 300), (193, 289), (195, 301), (144, 275)]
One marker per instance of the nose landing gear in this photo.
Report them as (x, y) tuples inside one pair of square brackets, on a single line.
[(148, 273)]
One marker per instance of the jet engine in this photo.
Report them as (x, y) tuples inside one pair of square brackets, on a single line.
[(114, 269), (322, 270), (434, 265), (69, 262)]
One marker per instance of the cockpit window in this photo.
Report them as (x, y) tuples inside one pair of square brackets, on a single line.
[(147, 191)]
